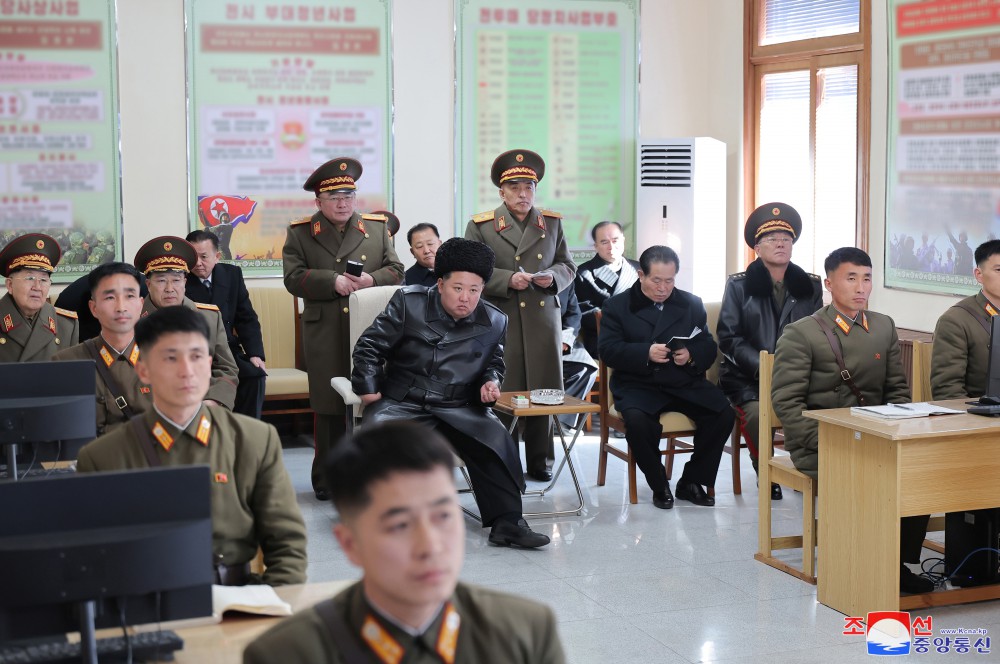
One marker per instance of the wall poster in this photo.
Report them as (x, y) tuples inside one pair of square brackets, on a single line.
[(276, 88), (559, 77), (60, 168), (943, 180)]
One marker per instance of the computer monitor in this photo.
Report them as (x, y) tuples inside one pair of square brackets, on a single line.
[(81, 551), (42, 402), (993, 367)]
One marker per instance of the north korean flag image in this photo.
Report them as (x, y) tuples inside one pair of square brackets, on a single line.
[(218, 209), (888, 633)]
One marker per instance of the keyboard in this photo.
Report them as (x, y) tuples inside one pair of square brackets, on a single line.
[(992, 410), (158, 646)]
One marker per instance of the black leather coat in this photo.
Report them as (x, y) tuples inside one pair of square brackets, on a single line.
[(750, 321)]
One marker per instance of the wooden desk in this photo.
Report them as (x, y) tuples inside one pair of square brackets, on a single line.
[(569, 406), (871, 473)]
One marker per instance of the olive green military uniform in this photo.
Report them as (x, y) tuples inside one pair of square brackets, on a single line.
[(962, 349), (315, 252), (492, 627), (225, 373), (533, 350), (806, 375), (138, 396), (38, 340), (253, 503)]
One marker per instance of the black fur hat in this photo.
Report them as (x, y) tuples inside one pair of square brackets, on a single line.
[(461, 255)]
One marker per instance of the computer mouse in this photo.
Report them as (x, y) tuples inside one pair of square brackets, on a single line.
[(989, 401)]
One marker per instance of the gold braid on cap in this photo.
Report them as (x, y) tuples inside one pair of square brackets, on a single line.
[(164, 263), (339, 182), (772, 226), (518, 172), (33, 261)]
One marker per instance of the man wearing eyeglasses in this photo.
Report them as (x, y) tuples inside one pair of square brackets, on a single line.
[(166, 262), (327, 257), (757, 305), (31, 329)]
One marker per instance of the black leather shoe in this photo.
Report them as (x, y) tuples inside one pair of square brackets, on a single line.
[(540, 474), (912, 583), (694, 493), (776, 492), (321, 494), (506, 533), (663, 499)]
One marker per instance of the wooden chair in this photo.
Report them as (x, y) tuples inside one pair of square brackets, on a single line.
[(780, 470), (675, 426), (920, 390), (286, 390)]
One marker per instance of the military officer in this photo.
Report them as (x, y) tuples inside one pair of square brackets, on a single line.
[(166, 261), (316, 257), (253, 503), (962, 335), (401, 523), (116, 304), (808, 375), (533, 264), (31, 329)]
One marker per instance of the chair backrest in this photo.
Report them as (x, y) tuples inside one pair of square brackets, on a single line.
[(920, 376), (365, 305), (277, 310), (712, 310), (768, 419)]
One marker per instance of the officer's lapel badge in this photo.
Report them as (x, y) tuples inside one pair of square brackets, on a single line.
[(501, 224), (990, 310), (381, 642), (361, 226), (52, 325), (134, 355), (540, 222), (144, 389), (164, 438), (204, 430), (106, 356), (317, 227), (8, 323), (842, 324), (448, 638), (221, 478), (864, 321)]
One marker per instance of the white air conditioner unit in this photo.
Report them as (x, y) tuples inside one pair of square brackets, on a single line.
[(681, 202)]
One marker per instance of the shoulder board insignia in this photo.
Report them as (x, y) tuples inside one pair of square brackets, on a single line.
[(483, 216), (738, 275), (552, 213), (375, 217), (209, 307), (303, 220), (814, 277), (66, 312)]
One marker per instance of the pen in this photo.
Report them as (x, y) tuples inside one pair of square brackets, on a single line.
[(903, 407)]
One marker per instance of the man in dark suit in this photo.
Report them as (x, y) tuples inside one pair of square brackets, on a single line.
[(607, 273), (655, 373), (221, 284), (424, 242)]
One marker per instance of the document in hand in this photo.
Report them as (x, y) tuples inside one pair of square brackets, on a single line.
[(676, 343), (904, 411)]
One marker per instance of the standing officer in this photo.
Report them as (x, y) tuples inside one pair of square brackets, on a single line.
[(532, 266), (222, 284), (318, 255), (31, 329), (166, 261)]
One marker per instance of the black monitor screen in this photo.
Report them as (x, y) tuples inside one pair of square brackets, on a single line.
[(137, 543), (993, 369), (45, 401)]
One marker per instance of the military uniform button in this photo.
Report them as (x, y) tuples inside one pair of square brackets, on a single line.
[(539, 257), (523, 305), (542, 303), (517, 258), (338, 260), (367, 236), (57, 341), (363, 257), (543, 236), (346, 310), (3, 340)]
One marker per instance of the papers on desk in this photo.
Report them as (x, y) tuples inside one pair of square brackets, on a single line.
[(903, 411), (259, 600)]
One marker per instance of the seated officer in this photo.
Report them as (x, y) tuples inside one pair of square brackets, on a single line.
[(253, 503), (651, 378), (435, 355), (400, 522), (808, 375), (116, 304), (962, 336), (424, 242), (31, 329), (166, 262)]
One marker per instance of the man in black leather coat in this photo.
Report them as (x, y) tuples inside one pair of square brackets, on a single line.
[(435, 356), (757, 305)]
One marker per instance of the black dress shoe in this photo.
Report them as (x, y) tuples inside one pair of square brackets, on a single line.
[(506, 533), (321, 494), (694, 493), (663, 499), (912, 583), (540, 474), (776, 492)]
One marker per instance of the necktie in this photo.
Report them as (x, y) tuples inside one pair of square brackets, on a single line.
[(658, 305), (208, 285)]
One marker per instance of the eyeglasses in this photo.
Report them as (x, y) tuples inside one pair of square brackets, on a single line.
[(164, 280), (32, 280), (342, 198), (775, 240)]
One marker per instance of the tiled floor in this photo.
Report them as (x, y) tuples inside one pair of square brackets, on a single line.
[(632, 583)]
